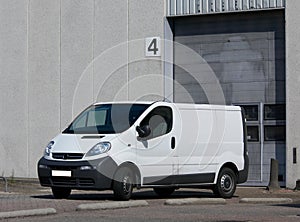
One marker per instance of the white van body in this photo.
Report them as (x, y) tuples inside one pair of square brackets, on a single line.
[(161, 145)]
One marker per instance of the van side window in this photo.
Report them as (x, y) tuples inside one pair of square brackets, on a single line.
[(160, 121)]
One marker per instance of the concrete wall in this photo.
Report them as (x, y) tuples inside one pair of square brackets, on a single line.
[(292, 90), (59, 56), (43, 79), (143, 23), (47, 74), (14, 124)]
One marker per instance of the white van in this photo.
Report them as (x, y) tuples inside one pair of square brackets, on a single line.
[(161, 145)]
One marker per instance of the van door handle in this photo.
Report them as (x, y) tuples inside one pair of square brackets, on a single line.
[(173, 143)]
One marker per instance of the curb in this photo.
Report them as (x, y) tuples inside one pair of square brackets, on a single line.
[(198, 201), (266, 200), (112, 205), (26, 213)]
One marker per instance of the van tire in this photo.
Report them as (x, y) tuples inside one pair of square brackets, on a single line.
[(123, 184), (226, 183), (164, 191), (61, 192)]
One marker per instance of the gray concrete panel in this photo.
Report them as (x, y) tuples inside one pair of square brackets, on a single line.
[(13, 85), (149, 15), (292, 90), (77, 18), (110, 77), (43, 77)]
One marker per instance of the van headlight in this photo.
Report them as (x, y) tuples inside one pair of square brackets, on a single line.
[(48, 148), (99, 148)]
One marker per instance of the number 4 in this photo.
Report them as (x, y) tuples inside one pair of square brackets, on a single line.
[(153, 46)]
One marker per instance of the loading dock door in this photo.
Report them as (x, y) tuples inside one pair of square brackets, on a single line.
[(246, 53)]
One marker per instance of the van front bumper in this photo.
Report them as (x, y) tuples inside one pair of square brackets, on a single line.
[(83, 175)]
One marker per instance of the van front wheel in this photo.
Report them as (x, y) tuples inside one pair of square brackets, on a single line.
[(123, 184), (226, 183)]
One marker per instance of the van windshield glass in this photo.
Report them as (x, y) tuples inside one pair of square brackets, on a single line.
[(106, 119)]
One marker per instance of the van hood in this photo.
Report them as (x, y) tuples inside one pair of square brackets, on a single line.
[(75, 143)]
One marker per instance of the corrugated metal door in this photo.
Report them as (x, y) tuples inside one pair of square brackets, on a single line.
[(184, 7), (246, 53)]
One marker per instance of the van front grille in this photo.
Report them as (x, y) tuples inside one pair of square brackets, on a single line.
[(64, 181), (78, 182), (67, 156)]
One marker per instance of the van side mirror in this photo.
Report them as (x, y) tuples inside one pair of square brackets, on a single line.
[(143, 131)]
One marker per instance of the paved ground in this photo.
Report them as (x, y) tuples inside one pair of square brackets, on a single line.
[(26, 195)]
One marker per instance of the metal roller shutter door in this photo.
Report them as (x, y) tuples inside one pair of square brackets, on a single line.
[(245, 52)]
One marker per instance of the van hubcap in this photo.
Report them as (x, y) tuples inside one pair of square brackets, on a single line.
[(226, 183), (127, 184)]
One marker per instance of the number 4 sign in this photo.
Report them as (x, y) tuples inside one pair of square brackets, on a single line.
[(152, 46)]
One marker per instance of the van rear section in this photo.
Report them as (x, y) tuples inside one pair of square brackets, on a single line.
[(165, 146), (212, 147), (243, 174)]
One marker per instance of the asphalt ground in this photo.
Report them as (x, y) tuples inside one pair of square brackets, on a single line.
[(27, 195)]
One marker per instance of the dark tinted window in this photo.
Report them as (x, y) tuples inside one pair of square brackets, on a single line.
[(274, 112), (274, 133), (160, 121), (106, 119), (251, 112), (252, 133)]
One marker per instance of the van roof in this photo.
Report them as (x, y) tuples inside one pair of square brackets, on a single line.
[(125, 102), (188, 106), (182, 106)]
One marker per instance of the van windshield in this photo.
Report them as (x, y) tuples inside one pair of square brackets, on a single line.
[(106, 119)]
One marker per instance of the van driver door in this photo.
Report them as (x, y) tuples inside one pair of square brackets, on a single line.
[(155, 152)]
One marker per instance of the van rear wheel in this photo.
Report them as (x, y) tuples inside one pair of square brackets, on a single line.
[(226, 183), (123, 184), (164, 191), (61, 192)]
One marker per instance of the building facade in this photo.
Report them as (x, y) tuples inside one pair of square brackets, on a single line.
[(59, 56)]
